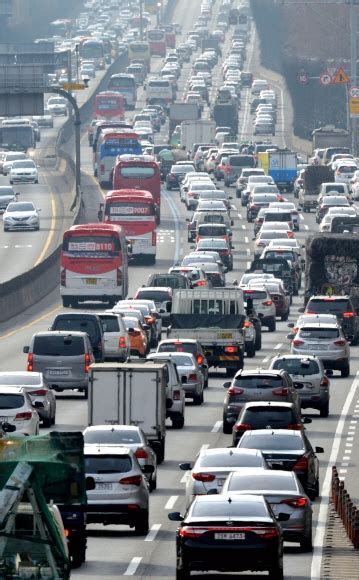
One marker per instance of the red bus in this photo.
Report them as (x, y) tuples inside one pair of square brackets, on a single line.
[(157, 41), (109, 106), (139, 172), (170, 35), (135, 211), (93, 264)]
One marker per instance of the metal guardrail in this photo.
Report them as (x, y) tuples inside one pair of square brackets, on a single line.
[(345, 508)]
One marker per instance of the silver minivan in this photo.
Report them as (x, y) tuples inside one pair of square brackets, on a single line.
[(63, 357)]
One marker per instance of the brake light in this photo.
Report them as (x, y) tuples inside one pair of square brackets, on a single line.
[(200, 283), (348, 314), (119, 277), (25, 416), (247, 324), (141, 454), (340, 342), (290, 234), (39, 393), (224, 252), (267, 302), (227, 169), (87, 362), (301, 464), (66, 533), (205, 477), (122, 342), (154, 238), (131, 480), (63, 277), (102, 168), (295, 427), (235, 391), (242, 427), (230, 349), (298, 342), (193, 377), (176, 395), (281, 391), (324, 382), (200, 359), (296, 503), (30, 360)]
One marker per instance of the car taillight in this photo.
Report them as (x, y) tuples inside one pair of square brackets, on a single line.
[(324, 382), (200, 359), (231, 349), (154, 238), (297, 342), (235, 391), (247, 324), (340, 342), (119, 277), (242, 427), (189, 532), (176, 395), (281, 391), (87, 362), (30, 360), (348, 314), (226, 169), (39, 393), (25, 416), (122, 342), (301, 464), (203, 476), (141, 454), (267, 302), (295, 426), (200, 283), (193, 377), (290, 234), (296, 503), (131, 480), (102, 168), (63, 277), (134, 333), (224, 252)]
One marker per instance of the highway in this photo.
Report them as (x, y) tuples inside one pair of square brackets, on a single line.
[(114, 551)]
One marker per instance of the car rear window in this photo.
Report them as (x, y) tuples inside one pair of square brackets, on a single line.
[(262, 482), (169, 281), (242, 161), (277, 216), (231, 460), (262, 417), (109, 323), (297, 366), (227, 510), (321, 333), (214, 219), (212, 231), (10, 401), (271, 441), (155, 295), (255, 294), (280, 254), (259, 198), (328, 306), (80, 324), (58, 346), (112, 437), (107, 463), (178, 347), (258, 382)]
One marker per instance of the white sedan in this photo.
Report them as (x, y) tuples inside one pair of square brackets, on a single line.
[(16, 408), (24, 171), (21, 215)]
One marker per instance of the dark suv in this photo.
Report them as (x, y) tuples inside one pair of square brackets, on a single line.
[(340, 306), (256, 385), (84, 322)]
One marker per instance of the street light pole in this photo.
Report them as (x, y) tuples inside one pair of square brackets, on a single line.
[(353, 64), (141, 19)]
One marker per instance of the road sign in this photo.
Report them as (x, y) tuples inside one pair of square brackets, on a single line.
[(303, 77), (340, 77), (354, 106), (73, 86), (354, 92), (325, 78)]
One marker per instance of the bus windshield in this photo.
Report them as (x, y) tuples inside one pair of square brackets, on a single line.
[(137, 172), (92, 49), (121, 143), (19, 137), (107, 104)]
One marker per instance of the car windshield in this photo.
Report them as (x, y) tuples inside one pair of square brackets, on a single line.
[(112, 436), (328, 306), (169, 281), (319, 333), (11, 401), (296, 366), (271, 441), (267, 481), (58, 345), (24, 164), (107, 463), (20, 207), (255, 294), (224, 509), (231, 460)]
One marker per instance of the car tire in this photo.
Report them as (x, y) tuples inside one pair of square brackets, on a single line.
[(272, 325), (226, 183), (284, 317), (226, 427), (178, 422), (86, 393), (275, 572), (230, 371), (153, 482), (142, 525), (238, 193), (355, 340), (47, 422), (198, 399), (345, 371), (306, 543), (251, 350), (182, 573), (324, 410)]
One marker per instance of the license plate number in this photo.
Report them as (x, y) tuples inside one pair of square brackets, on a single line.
[(59, 373), (103, 485), (225, 335), (229, 536), (91, 281)]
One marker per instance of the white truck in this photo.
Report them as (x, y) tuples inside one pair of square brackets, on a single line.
[(214, 317), (131, 394), (282, 166), (200, 131)]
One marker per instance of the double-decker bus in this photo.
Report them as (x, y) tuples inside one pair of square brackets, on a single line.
[(19, 137), (93, 264), (135, 211), (170, 35), (109, 106), (139, 50), (93, 49), (124, 84), (139, 172), (157, 41), (112, 143)]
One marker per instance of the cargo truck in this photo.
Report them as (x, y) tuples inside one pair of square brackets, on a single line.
[(201, 131), (313, 177), (282, 166), (226, 115), (330, 136)]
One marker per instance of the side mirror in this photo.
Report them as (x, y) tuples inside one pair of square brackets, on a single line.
[(145, 326), (306, 420), (175, 517), (232, 222), (38, 405), (227, 384), (26, 349), (298, 386), (90, 483), (290, 336), (301, 309), (213, 491), (147, 469), (8, 428), (290, 325), (319, 450), (185, 466), (328, 372)]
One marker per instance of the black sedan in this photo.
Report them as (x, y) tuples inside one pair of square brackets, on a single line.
[(289, 450), (229, 534), (176, 174)]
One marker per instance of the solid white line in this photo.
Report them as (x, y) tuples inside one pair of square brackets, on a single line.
[(301, 216), (177, 219), (233, 206), (324, 503), (132, 567), (153, 532), (248, 251), (171, 502), (217, 426)]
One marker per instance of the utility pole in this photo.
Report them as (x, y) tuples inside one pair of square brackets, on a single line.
[(141, 19), (353, 64)]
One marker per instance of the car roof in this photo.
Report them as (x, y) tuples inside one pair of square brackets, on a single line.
[(228, 451), (274, 433), (9, 389), (252, 372), (314, 325), (112, 428), (63, 333), (155, 289)]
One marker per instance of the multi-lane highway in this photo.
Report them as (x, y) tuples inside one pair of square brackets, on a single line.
[(114, 551)]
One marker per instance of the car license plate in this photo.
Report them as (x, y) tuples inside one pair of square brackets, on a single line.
[(229, 536), (225, 335), (91, 281), (316, 347), (58, 373), (103, 485)]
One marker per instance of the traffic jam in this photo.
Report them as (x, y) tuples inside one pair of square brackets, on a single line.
[(254, 315)]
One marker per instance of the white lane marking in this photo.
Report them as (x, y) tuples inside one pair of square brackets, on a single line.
[(233, 207), (324, 503), (342, 471), (301, 216), (246, 240), (239, 215), (217, 426), (306, 227), (171, 502), (153, 532), (133, 565), (204, 447), (266, 359), (278, 346), (248, 251), (244, 227), (184, 477), (22, 246)]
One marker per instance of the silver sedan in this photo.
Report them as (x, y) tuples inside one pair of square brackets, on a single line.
[(191, 376)]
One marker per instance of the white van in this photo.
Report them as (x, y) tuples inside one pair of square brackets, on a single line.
[(159, 92)]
